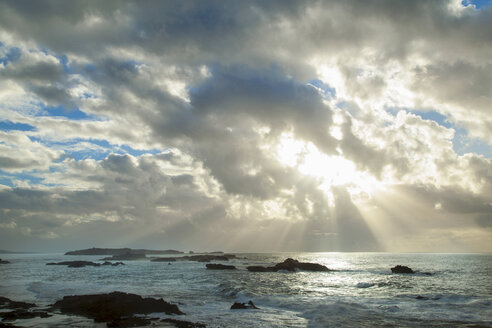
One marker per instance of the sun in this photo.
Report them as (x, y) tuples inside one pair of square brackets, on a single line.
[(332, 170)]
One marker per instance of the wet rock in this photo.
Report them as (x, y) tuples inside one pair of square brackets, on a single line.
[(215, 266), (184, 324), (163, 259), (289, 265), (424, 298), (113, 306), (292, 265), (239, 306), (258, 268), (23, 314), (6, 303), (129, 322), (401, 269), (75, 264), (7, 325), (113, 264), (4, 262), (126, 257)]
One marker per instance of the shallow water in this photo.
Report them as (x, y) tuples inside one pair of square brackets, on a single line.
[(362, 291)]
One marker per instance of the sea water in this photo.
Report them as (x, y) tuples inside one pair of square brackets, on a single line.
[(361, 291)]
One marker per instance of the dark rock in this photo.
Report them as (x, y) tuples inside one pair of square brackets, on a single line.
[(257, 268), (113, 306), (163, 259), (239, 306), (289, 265), (184, 324), (401, 269), (23, 314), (292, 265), (126, 257), (214, 266), (421, 297), (7, 325), (129, 322), (113, 264), (75, 264), (6, 303), (4, 262)]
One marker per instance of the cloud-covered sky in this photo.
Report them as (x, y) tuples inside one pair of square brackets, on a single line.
[(246, 125)]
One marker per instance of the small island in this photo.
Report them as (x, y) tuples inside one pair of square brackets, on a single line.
[(121, 251)]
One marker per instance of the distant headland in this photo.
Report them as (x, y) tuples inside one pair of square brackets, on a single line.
[(121, 251)]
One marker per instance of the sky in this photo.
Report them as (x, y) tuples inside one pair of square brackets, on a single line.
[(252, 126)]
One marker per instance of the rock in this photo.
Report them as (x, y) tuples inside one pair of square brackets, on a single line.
[(163, 259), (23, 314), (126, 257), (289, 265), (113, 264), (75, 264), (184, 324), (257, 268), (6, 303), (214, 266), (401, 269), (4, 262), (113, 306), (292, 265), (129, 322), (239, 306), (421, 297)]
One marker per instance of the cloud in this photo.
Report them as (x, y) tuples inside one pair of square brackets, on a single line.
[(165, 119)]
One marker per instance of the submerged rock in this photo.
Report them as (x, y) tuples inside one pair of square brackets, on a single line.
[(401, 269), (289, 265), (23, 314), (75, 264), (240, 306), (184, 324), (6, 303), (126, 257), (113, 306), (113, 264), (215, 266)]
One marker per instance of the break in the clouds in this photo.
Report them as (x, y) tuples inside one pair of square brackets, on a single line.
[(246, 125)]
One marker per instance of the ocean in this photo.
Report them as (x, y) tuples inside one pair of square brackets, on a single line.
[(455, 289)]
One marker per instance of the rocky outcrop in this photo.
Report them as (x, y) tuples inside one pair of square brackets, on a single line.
[(289, 265), (126, 257), (81, 264), (4, 262), (113, 264), (239, 306), (6, 303), (113, 307), (401, 269), (75, 264), (23, 314), (215, 266)]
